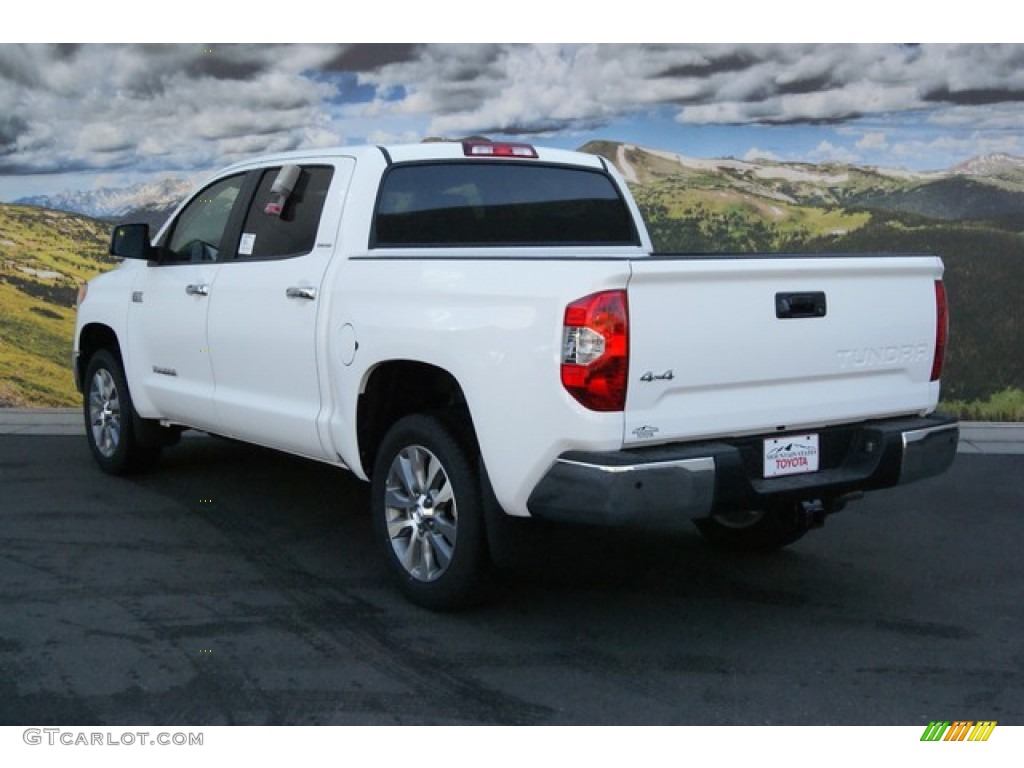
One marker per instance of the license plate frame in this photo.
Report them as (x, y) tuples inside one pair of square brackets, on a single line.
[(791, 455)]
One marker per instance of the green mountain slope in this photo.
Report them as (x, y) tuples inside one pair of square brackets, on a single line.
[(984, 281), (44, 257), (984, 189)]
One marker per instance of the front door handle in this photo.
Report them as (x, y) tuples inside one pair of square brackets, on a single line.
[(197, 289), (300, 292)]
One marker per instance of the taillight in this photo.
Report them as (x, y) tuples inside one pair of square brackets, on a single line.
[(941, 329), (497, 149), (595, 350)]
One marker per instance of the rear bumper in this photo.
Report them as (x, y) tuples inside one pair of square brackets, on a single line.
[(666, 486)]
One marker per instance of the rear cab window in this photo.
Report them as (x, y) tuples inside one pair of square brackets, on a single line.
[(453, 203)]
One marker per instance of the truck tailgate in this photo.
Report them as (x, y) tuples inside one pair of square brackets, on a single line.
[(745, 345)]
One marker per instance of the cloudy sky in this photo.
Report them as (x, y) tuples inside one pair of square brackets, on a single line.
[(83, 116)]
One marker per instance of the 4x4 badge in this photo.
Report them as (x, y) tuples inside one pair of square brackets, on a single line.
[(666, 376)]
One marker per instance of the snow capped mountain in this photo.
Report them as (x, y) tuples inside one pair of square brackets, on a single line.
[(113, 203), (640, 164), (982, 188), (995, 164)]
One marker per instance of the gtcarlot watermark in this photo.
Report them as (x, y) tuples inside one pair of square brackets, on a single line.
[(59, 736)]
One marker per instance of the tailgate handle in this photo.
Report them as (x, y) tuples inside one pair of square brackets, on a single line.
[(791, 306)]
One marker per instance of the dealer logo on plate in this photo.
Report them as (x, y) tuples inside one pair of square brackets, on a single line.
[(791, 455)]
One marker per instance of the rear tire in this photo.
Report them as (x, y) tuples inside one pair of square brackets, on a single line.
[(111, 423), (762, 530), (428, 512)]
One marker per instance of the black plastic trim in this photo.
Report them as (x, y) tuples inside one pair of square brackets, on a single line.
[(800, 305), (699, 256), (494, 257)]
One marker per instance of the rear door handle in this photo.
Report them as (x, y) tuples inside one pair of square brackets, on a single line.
[(197, 289), (792, 306), (300, 292)]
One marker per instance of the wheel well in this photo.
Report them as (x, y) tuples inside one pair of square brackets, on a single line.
[(397, 389), (94, 337)]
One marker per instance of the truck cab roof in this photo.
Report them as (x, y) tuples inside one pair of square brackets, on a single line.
[(425, 151)]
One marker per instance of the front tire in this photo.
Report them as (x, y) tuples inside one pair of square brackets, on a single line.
[(428, 512), (111, 422)]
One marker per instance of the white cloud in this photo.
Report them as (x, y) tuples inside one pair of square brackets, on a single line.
[(101, 106), (873, 140), (826, 151), (133, 107)]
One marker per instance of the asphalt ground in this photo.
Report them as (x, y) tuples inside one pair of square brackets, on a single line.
[(237, 586)]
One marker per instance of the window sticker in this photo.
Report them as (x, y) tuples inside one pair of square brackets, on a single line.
[(246, 244)]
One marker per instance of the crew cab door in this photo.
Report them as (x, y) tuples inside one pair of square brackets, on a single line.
[(168, 352), (264, 310)]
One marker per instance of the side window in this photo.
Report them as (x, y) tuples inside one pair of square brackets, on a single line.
[(198, 231), (273, 232)]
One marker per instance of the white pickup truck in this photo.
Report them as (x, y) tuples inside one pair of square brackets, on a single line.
[(483, 331)]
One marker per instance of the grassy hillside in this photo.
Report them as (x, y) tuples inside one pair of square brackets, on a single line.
[(984, 281), (44, 256), (701, 220)]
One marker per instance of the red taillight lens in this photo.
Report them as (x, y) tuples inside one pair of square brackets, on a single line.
[(595, 350), (941, 329)]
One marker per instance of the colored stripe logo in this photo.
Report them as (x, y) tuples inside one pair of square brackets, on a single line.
[(959, 730)]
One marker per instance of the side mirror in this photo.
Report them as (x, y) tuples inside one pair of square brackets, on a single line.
[(131, 241)]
